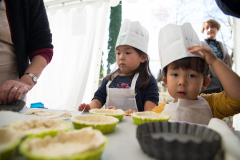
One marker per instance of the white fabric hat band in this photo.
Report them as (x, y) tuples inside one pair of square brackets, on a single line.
[(133, 40), (173, 43), (180, 52)]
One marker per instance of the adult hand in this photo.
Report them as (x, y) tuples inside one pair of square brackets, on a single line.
[(112, 107), (129, 112), (11, 91), (86, 106), (209, 56)]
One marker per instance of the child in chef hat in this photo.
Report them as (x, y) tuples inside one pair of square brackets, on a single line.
[(131, 87), (185, 66)]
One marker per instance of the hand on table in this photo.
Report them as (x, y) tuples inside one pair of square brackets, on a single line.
[(129, 112), (11, 91), (82, 106)]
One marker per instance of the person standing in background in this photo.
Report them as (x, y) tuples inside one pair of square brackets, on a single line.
[(210, 29), (159, 76), (24, 35)]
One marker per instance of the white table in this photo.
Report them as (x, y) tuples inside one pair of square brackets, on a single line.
[(123, 143)]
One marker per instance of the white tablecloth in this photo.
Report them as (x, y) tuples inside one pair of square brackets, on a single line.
[(123, 143)]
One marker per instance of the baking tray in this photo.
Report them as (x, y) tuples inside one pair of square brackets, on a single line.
[(182, 141), (15, 106)]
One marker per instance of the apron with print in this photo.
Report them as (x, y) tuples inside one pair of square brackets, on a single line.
[(123, 98), (193, 111)]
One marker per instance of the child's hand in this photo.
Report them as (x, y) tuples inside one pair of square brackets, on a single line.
[(209, 56), (82, 106), (129, 112), (112, 107)]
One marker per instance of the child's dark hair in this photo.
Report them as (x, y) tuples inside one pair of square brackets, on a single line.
[(143, 69), (196, 63)]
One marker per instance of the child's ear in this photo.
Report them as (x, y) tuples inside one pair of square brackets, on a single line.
[(165, 80), (144, 58), (207, 81)]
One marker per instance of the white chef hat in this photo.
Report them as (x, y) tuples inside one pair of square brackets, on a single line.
[(133, 34), (173, 43)]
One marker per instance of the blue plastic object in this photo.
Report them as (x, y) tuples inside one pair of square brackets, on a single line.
[(37, 105)]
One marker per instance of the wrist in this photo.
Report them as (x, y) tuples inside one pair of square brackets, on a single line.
[(215, 62), (27, 80)]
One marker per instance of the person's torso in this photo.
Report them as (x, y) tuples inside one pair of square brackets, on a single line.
[(8, 59), (215, 46), (224, 56), (193, 111), (124, 83)]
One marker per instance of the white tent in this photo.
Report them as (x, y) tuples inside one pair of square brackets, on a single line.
[(78, 29)]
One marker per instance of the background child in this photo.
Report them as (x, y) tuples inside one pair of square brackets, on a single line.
[(186, 74), (131, 87)]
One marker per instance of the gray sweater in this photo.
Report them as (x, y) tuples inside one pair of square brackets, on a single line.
[(226, 58)]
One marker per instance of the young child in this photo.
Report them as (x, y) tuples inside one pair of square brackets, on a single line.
[(131, 87), (186, 74)]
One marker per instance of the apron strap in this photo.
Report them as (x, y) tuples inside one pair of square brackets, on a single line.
[(134, 80), (109, 82)]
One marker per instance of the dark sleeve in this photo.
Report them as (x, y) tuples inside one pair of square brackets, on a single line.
[(47, 53), (40, 37), (151, 93), (101, 93), (229, 7)]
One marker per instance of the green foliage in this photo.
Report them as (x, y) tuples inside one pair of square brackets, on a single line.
[(114, 27), (101, 74)]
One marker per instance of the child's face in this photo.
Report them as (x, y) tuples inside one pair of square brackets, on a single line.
[(128, 59), (184, 84)]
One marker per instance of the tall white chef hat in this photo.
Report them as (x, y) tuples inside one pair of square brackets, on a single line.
[(133, 34), (173, 43)]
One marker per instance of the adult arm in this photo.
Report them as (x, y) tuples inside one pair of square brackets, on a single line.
[(39, 47), (12, 90)]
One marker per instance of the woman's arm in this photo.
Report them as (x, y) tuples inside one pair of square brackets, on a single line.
[(12, 90)]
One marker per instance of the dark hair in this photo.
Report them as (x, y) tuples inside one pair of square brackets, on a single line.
[(195, 63), (143, 69)]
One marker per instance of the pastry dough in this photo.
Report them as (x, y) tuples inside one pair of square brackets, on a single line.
[(94, 119), (67, 143), (35, 126), (8, 137), (148, 114), (50, 114), (107, 111)]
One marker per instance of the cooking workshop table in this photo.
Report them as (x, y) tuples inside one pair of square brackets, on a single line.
[(123, 143)]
